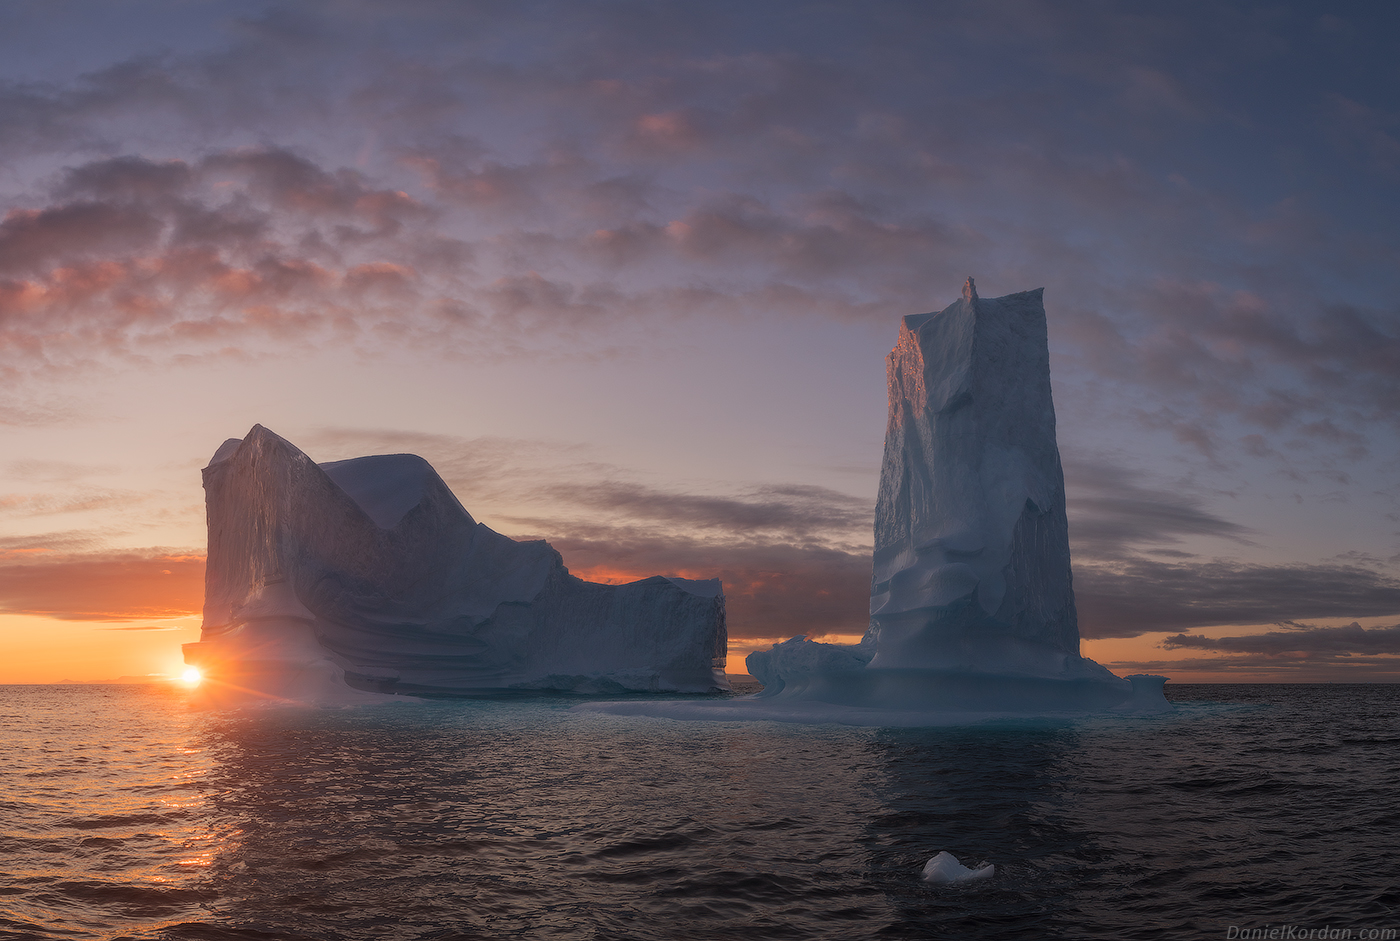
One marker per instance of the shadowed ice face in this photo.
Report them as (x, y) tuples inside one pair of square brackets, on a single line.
[(969, 414), (962, 542)]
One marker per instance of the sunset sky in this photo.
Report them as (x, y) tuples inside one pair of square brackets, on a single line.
[(626, 274)]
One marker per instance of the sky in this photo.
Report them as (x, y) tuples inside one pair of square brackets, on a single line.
[(626, 274)]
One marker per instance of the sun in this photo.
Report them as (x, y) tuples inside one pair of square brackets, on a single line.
[(191, 676)]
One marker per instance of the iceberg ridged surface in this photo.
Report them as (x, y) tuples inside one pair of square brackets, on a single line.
[(368, 574)]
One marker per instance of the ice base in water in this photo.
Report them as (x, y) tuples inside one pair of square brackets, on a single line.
[(945, 868)]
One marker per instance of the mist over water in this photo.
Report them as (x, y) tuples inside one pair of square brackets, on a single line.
[(128, 815)]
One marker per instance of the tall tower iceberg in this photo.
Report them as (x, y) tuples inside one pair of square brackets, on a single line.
[(971, 540), (368, 575), (971, 602)]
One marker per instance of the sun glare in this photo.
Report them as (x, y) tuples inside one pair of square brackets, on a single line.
[(192, 676)]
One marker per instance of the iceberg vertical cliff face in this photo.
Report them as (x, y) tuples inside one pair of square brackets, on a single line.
[(971, 602), (369, 574), (971, 540)]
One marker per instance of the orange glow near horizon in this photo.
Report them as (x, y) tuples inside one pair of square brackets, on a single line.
[(48, 650), (98, 618), (605, 575), (611, 575)]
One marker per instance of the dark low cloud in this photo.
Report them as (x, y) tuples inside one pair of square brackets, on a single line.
[(1265, 669), (1136, 596), (1299, 643), (1112, 512), (144, 627), (1123, 529), (772, 589), (1299, 654), (799, 512)]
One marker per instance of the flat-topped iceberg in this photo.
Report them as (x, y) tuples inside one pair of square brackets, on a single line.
[(971, 602), (368, 575)]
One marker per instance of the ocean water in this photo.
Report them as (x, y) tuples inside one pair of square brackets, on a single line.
[(126, 814)]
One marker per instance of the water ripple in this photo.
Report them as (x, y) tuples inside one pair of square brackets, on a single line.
[(126, 815)]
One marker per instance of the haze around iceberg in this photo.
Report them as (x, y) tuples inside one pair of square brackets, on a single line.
[(972, 609)]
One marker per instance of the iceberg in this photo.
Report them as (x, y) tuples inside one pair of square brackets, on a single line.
[(351, 579), (971, 602)]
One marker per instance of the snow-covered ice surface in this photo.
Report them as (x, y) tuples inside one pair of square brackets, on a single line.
[(352, 579), (971, 604)]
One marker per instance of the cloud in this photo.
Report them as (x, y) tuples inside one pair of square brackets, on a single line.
[(624, 163), (128, 178), (259, 249), (42, 504), (772, 589), (1309, 376), (144, 627), (799, 513), (60, 542), (1260, 669), (1136, 596), (23, 412), (252, 243), (1299, 654), (503, 477), (1111, 512), (33, 239), (825, 238), (292, 182), (100, 586), (1301, 643), (53, 471), (488, 474)]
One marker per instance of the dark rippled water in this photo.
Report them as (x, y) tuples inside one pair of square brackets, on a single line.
[(127, 815)]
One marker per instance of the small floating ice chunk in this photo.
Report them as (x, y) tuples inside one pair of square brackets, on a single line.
[(945, 868)]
